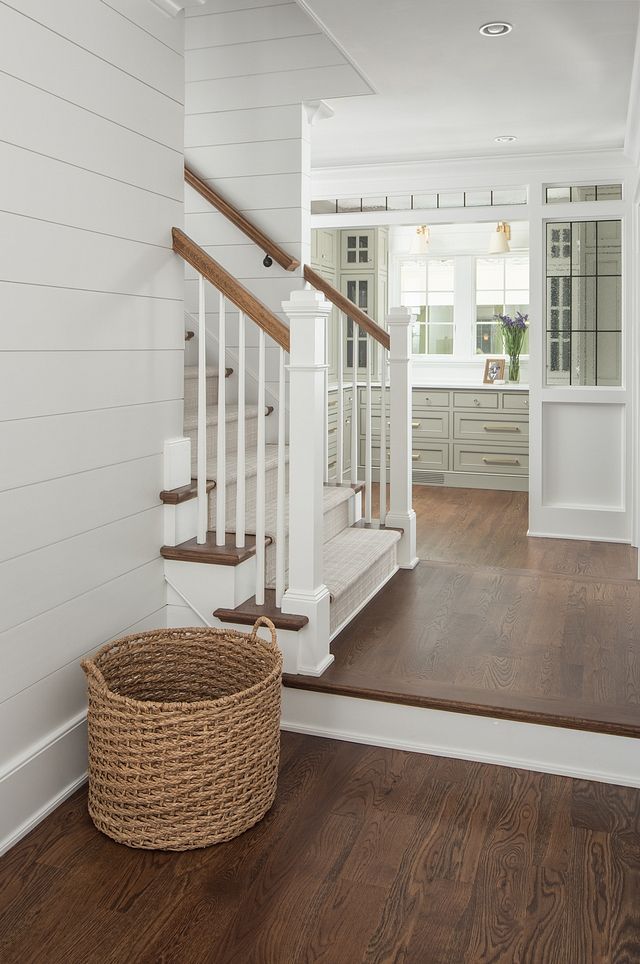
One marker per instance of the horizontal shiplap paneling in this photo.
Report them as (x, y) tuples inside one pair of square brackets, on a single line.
[(39, 252), (256, 192), (267, 56), (102, 31), (278, 87), (41, 318), (245, 26), (33, 384), (37, 449), (243, 160), (168, 30), (85, 139), (43, 579), (51, 190), (35, 516), (39, 646), (43, 58), (241, 126)]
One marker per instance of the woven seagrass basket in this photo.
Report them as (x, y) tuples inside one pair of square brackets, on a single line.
[(184, 735)]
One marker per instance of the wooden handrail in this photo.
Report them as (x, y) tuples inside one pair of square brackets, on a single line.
[(194, 255), (268, 246), (344, 304)]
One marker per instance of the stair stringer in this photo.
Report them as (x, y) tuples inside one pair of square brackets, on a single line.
[(580, 754)]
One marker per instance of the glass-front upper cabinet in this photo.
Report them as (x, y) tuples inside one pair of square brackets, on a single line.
[(584, 303), (357, 249)]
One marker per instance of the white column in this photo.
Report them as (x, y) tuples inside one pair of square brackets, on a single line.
[(401, 512), (307, 594)]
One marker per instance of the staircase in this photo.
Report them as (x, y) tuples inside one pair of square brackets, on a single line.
[(357, 561), (252, 526)]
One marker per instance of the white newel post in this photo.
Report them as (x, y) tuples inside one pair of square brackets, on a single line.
[(307, 594), (401, 512)]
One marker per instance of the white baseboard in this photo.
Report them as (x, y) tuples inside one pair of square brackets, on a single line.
[(527, 746), (38, 783)]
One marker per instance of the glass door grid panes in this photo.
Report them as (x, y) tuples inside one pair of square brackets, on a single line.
[(584, 303)]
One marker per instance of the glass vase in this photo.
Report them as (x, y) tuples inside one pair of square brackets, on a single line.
[(514, 368)]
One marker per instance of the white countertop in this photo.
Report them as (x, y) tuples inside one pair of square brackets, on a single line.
[(452, 385)]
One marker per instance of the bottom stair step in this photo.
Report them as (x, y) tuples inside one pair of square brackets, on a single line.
[(248, 612), (356, 563)]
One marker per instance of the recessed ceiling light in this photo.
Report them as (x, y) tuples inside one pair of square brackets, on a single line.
[(505, 139), (497, 29)]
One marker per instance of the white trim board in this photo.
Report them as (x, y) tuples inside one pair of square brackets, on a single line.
[(527, 746)]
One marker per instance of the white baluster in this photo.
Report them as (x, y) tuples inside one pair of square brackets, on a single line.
[(260, 476), (282, 485), (340, 456), (221, 453), (203, 507), (354, 410), (367, 431), (240, 464), (383, 436)]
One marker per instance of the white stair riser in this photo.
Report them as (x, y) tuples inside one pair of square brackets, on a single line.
[(231, 440)]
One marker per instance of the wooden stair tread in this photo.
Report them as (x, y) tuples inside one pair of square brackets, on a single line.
[(184, 493), (438, 695), (211, 554), (248, 612)]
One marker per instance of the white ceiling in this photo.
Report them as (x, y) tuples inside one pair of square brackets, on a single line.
[(559, 81)]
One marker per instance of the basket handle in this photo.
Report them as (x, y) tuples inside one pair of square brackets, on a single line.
[(265, 621), (92, 672)]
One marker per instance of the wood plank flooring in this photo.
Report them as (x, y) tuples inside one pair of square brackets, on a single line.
[(369, 856), (495, 623)]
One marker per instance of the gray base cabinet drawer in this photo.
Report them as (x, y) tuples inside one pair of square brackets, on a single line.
[(433, 425), (424, 455), (475, 400), (515, 401), (498, 428), (489, 459), (424, 399)]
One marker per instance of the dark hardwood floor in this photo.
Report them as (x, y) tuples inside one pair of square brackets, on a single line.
[(495, 623), (368, 855)]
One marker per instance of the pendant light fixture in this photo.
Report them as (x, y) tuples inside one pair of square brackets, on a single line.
[(499, 240), (421, 242)]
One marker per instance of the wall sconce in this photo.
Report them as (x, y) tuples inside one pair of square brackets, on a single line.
[(499, 240), (421, 243)]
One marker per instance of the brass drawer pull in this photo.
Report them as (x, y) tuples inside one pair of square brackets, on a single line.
[(332, 431), (333, 403), (500, 461), (501, 428), (416, 423), (415, 456)]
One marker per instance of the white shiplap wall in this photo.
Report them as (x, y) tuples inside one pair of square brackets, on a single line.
[(249, 72), (91, 141)]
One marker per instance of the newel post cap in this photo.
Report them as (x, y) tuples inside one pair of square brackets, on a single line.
[(306, 302), (400, 316)]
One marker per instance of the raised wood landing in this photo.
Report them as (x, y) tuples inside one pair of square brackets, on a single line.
[(368, 855), (248, 612), (500, 626), (211, 554)]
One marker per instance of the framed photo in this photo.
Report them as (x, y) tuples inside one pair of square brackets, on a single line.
[(493, 370)]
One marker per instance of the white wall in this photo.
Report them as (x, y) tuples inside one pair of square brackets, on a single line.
[(248, 73), (91, 366)]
